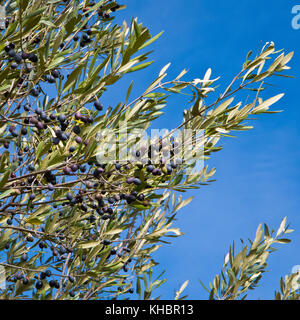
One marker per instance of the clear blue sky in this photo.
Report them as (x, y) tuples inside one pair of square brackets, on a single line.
[(258, 172)]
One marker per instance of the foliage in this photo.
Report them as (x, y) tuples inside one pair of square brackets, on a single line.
[(71, 227), (241, 272), (289, 287)]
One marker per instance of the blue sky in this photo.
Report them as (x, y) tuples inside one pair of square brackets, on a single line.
[(257, 172)]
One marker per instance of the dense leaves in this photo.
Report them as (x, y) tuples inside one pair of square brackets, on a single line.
[(72, 227)]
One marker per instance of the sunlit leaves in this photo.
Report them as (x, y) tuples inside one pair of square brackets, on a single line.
[(241, 272), (60, 209)]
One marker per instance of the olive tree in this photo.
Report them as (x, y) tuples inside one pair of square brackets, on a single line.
[(73, 225)]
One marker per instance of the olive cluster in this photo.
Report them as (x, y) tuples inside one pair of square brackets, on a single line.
[(97, 191)]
